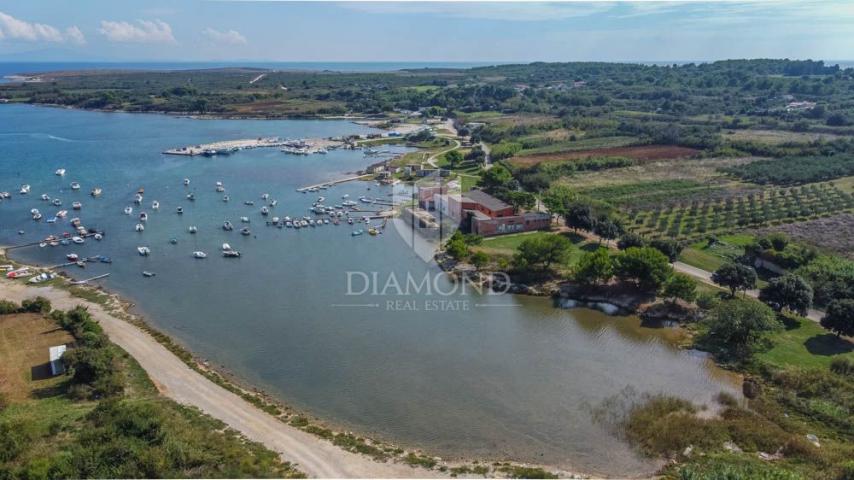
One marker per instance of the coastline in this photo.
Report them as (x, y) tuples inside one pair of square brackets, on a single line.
[(359, 456)]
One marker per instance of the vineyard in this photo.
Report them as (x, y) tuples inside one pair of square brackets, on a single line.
[(776, 206)]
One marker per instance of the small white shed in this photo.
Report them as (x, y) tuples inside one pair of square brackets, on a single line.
[(56, 366)]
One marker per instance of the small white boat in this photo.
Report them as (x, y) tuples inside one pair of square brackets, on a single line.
[(200, 254), (139, 227), (25, 189), (245, 231), (155, 205), (273, 203), (61, 213), (265, 196), (191, 197), (60, 172), (143, 217), (220, 188), (72, 257), (34, 211), (226, 247), (231, 254), (227, 226), (19, 273), (186, 181), (98, 237), (218, 184), (144, 251), (77, 240), (265, 211), (76, 205), (45, 197), (42, 277), (128, 210), (137, 199), (244, 219), (5, 195), (75, 186), (96, 192), (192, 229), (37, 216), (148, 274), (179, 210), (56, 202), (225, 198)]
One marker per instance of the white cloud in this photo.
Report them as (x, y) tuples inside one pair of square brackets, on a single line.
[(230, 37), (143, 31), (17, 29)]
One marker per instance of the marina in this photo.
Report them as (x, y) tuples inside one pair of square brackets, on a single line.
[(228, 147)]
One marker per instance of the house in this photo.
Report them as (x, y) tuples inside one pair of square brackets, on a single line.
[(56, 366), (480, 213)]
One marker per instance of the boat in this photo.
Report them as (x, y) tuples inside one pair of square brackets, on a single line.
[(231, 254), (245, 231), (200, 254), (249, 203), (81, 264), (350, 221), (98, 237), (155, 205), (346, 195), (128, 210), (173, 241), (244, 219), (265, 196), (144, 251), (76, 205), (51, 220), (191, 197), (61, 213), (265, 211), (179, 210), (220, 189), (106, 260), (218, 184), (273, 203), (25, 189), (373, 231), (77, 240), (356, 233), (225, 198), (192, 229), (5, 195), (19, 273), (186, 181), (60, 172), (75, 186), (56, 202), (143, 217), (96, 192), (45, 197), (140, 191), (227, 226), (137, 199), (72, 257), (37, 216), (42, 277), (139, 227), (148, 274), (226, 247)]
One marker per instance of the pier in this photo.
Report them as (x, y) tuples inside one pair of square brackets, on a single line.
[(226, 147), (332, 182)]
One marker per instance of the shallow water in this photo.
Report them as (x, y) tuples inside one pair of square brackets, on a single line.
[(508, 377)]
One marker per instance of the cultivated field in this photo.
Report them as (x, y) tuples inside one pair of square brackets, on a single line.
[(642, 153), (834, 233)]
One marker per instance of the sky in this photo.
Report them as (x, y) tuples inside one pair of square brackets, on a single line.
[(319, 31)]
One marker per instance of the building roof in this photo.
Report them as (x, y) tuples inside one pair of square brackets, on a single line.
[(484, 199)]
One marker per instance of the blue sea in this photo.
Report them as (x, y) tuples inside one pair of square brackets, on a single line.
[(505, 377)]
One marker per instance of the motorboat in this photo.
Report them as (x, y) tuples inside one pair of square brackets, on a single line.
[(42, 277), (356, 233), (227, 226), (98, 237), (192, 229), (45, 197), (34, 211), (273, 203), (191, 197), (179, 210), (173, 241), (249, 203), (155, 205), (76, 205), (200, 254), (143, 217), (51, 220), (218, 184), (220, 189), (77, 240), (186, 182), (226, 247), (5, 195), (25, 189), (244, 219), (106, 260), (139, 227), (37, 216), (61, 214), (56, 202), (373, 231), (245, 231), (96, 192), (75, 186), (148, 274), (128, 210), (144, 251), (265, 211), (19, 273), (137, 199), (72, 257), (350, 221), (265, 196), (225, 198), (231, 254), (60, 172)]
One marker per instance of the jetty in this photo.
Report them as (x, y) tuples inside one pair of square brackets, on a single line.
[(330, 183), (227, 146), (84, 282)]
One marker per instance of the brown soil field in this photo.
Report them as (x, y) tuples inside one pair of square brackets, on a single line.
[(643, 152), (835, 233)]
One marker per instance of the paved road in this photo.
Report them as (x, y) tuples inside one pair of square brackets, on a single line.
[(312, 455), (432, 158)]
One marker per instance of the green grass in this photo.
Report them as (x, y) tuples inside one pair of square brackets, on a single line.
[(805, 343), (583, 144), (710, 259), (507, 246)]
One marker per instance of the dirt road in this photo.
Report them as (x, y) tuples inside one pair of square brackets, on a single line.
[(312, 455)]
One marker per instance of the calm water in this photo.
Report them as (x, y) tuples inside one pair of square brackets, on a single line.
[(511, 377)]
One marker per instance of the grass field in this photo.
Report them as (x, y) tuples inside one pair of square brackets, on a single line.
[(24, 343), (508, 245), (728, 248), (775, 137), (804, 343)]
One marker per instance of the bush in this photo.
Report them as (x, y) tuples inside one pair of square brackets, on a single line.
[(8, 308), (842, 366), (736, 328), (36, 305), (646, 266), (629, 240)]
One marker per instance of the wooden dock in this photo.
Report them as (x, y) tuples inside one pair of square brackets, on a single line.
[(333, 182)]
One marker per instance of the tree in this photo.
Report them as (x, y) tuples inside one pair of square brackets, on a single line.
[(36, 305), (670, 248), (496, 178), (457, 246), (607, 228), (789, 291), (541, 252), (521, 200), (680, 286), (629, 239), (579, 216), (839, 317), (646, 266), (736, 326), (558, 198), (454, 157), (735, 276), (479, 259), (594, 267)]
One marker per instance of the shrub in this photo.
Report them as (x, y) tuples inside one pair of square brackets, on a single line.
[(736, 327), (8, 308), (36, 305), (842, 366)]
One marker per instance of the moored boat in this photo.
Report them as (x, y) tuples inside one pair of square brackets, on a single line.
[(200, 254), (25, 189), (96, 192), (144, 251), (59, 172), (128, 210), (75, 186), (76, 205)]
